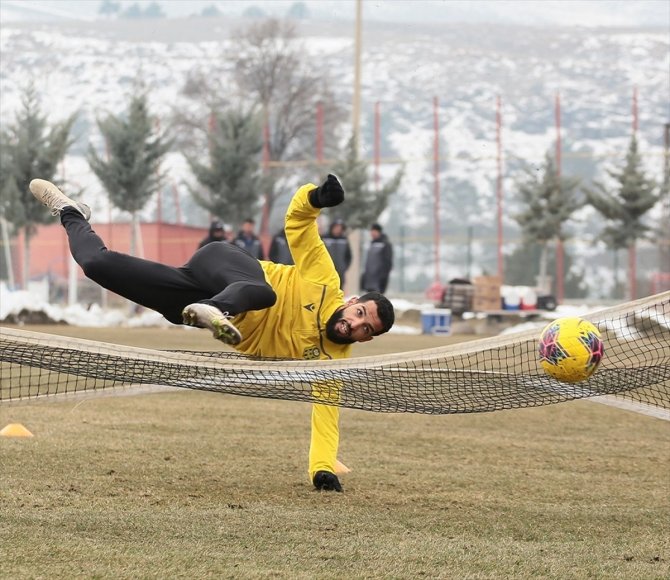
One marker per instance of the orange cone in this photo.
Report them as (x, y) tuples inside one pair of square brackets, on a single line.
[(341, 468), (15, 430)]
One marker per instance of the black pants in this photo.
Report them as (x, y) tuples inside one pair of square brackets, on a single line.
[(220, 274)]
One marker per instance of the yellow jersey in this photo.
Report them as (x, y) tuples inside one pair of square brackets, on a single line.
[(308, 293)]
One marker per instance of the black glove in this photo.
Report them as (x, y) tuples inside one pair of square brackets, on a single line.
[(327, 481), (328, 194)]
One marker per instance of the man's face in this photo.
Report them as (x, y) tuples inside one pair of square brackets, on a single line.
[(375, 234), (354, 322)]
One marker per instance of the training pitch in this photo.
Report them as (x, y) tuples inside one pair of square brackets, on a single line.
[(191, 484)]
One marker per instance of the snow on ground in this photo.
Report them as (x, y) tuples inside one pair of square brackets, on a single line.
[(13, 303)]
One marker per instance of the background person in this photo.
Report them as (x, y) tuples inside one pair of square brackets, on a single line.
[(248, 240), (217, 233), (280, 253), (338, 247), (379, 261)]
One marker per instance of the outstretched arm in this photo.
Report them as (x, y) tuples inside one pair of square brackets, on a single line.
[(302, 233)]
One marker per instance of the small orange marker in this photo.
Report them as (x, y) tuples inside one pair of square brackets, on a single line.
[(341, 468), (15, 430)]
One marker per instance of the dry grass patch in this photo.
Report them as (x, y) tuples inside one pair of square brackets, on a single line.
[(202, 485)]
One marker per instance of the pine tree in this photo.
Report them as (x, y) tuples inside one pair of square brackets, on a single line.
[(664, 219), (231, 178), (131, 174), (522, 268), (363, 205), (30, 148), (548, 204), (625, 204)]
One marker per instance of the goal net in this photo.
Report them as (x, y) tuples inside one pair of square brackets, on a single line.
[(478, 376)]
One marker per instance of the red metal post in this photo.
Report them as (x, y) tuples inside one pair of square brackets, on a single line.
[(499, 188), (159, 210), (436, 186), (265, 219), (377, 151), (560, 283), (632, 254), (319, 133)]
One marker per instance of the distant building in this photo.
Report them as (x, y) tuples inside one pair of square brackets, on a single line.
[(170, 244)]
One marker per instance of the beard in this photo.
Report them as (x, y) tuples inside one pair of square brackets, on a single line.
[(331, 329)]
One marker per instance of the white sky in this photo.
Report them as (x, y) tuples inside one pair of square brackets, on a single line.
[(539, 12)]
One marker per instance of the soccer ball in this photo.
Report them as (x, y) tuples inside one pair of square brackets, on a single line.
[(570, 349)]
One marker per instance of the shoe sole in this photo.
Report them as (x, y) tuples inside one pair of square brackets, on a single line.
[(221, 328), (39, 188)]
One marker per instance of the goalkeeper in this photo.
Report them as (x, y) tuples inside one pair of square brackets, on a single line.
[(260, 308)]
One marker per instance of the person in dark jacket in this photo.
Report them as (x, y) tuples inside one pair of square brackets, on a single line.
[(379, 261), (217, 233), (338, 247), (280, 253), (248, 240)]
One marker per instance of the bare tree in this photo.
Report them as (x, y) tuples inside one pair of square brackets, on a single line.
[(274, 70), (271, 71)]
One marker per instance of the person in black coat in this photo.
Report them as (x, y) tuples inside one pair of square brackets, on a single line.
[(338, 247), (248, 240), (379, 262), (279, 250), (217, 233)]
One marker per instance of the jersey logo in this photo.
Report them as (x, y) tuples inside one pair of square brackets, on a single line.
[(309, 306), (311, 353)]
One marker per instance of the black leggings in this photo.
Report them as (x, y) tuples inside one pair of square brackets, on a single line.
[(220, 274)]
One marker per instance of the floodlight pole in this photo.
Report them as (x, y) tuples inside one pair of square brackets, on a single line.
[(559, 243), (356, 105), (632, 258), (377, 150), (436, 185), (499, 189)]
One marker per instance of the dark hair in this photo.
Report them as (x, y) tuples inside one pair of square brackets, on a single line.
[(376, 227), (384, 309)]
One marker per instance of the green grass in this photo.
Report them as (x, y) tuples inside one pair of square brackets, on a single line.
[(202, 485)]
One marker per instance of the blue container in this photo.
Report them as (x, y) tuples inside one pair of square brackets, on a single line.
[(436, 321)]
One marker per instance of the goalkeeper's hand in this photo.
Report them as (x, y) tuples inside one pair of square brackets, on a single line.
[(326, 481), (328, 194)]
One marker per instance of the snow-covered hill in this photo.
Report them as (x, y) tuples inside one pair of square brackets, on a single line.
[(90, 68)]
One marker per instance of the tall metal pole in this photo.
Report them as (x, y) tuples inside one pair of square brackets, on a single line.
[(499, 189), (632, 255), (377, 150), (356, 105), (436, 186), (319, 133), (560, 286), (665, 212), (265, 217), (355, 237)]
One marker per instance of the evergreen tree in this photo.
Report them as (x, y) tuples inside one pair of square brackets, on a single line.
[(30, 149), (298, 11), (364, 205), (231, 178), (522, 269), (109, 8), (664, 219), (273, 70), (625, 204), (547, 205), (135, 147)]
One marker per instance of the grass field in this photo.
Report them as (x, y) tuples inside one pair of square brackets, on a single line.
[(186, 484)]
